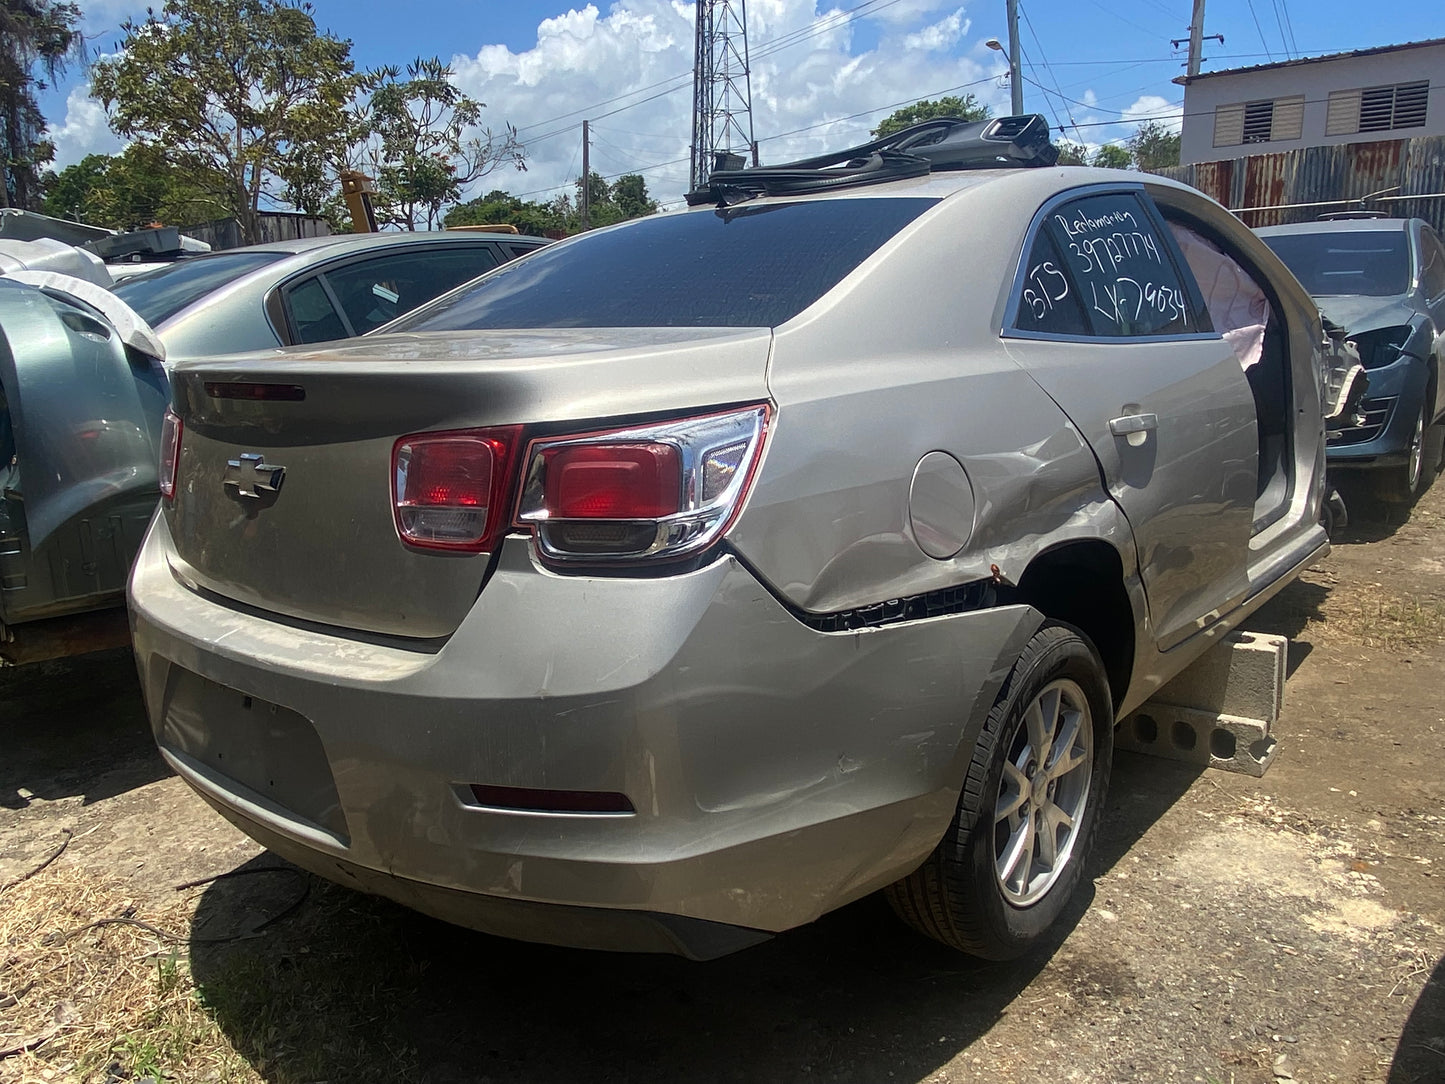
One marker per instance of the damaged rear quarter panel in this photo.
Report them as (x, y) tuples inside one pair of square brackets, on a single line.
[(908, 361)]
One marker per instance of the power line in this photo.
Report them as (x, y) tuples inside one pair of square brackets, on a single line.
[(1057, 90), (1289, 24), (1121, 18), (813, 30), (878, 109), (1260, 30), (1087, 105), (682, 79), (1048, 101), (1280, 23)]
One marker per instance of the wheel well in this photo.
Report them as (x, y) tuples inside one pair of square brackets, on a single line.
[(1082, 583)]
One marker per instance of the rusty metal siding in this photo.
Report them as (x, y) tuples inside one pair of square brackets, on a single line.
[(1327, 175)]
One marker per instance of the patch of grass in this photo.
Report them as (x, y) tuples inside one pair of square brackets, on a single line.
[(1376, 620), (116, 1002)]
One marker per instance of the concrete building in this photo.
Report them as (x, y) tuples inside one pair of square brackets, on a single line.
[(1391, 92)]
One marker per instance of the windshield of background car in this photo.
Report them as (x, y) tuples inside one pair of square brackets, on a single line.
[(736, 267), (1374, 263), (160, 294)]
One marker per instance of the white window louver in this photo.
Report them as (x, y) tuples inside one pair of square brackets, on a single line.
[(1228, 125), (1289, 118), (1343, 113)]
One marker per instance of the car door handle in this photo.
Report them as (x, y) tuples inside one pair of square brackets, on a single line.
[(1133, 423)]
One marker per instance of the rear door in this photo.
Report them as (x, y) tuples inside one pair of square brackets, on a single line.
[(1107, 323)]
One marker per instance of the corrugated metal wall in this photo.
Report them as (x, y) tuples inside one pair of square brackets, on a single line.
[(1325, 176), (275, 226)]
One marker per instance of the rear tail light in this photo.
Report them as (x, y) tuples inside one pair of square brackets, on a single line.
[(450, 490), (657, 491), (170, 453)]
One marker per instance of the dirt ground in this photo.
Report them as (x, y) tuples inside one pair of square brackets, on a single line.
[(1232, 929)]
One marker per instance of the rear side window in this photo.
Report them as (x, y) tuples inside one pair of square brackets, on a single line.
[(1050, 301), (1122, 267), (377, 291), (312, 314), (736, 267)]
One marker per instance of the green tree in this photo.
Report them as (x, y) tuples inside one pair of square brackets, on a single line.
[(1072, 154), (629, 193), (625, 199), (1111, 156), (72, 192), (498, 207), (128, 191), (1154, 146), (34, 34), (966, 108), (414, 140), (237, 92), (599, 195)]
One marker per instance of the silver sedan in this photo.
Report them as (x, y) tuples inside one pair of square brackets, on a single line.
[(694, 577)]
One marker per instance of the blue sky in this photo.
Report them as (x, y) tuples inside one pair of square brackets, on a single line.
[(824, 71)]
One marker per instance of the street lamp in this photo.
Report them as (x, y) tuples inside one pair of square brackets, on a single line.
[(1015, 77)]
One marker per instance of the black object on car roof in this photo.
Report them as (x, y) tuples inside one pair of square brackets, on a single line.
[(945, 143)]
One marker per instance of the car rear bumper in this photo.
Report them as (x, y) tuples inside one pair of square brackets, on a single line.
[(776, 772)]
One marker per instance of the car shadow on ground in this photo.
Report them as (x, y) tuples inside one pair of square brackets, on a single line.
[(1290, 614), (1370, 518), (350, 987), (74, 726), (1420, 1057)]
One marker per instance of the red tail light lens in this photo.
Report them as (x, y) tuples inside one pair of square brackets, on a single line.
[(170, 453), (613, 481), (449, 490), (652, 492)]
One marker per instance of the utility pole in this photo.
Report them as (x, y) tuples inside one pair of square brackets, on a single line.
[(1196, 37), (586, 178), (1015, 71)]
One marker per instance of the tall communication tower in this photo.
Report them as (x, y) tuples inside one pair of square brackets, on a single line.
[(722, 97)]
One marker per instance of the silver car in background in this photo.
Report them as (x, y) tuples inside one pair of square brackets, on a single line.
[(697, 576), (81, 411), (308, 290)]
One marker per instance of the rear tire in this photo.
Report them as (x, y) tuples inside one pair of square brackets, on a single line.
[(1026, 820)]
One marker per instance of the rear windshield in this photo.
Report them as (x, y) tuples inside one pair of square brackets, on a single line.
[(739, 267), (160, 294), (1374, 263)]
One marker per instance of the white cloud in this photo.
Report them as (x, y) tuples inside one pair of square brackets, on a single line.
[(943, 34), (811, 64), (84, 130), (1153, 107)]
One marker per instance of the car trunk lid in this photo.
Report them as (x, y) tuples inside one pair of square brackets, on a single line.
[(305, 526)]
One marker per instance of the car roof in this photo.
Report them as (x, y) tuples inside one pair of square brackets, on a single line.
[(947, 182), (1337, 225), (360, 242)]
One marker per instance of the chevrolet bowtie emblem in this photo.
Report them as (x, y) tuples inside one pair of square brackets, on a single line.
[(253, 477)]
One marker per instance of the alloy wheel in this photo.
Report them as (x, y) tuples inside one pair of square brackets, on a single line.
[(1044, 792), (1417, 452)]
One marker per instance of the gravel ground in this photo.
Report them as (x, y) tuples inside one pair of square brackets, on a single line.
[(1231, 930)]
